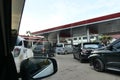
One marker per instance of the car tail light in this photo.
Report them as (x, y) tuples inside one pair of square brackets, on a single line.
[(16, 52)]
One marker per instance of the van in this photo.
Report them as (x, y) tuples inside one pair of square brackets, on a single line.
[(22, 50), (64, 48)]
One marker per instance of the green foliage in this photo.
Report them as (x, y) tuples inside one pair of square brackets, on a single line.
[(105, 39)]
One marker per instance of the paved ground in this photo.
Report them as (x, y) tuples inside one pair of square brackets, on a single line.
[(71, 69)]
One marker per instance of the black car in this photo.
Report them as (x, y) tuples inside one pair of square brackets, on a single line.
[(42, 50), (39, 50), (83, 50), (106, 58)]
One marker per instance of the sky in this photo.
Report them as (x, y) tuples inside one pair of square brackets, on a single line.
[(43, 14)]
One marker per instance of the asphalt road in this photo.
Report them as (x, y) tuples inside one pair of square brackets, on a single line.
[(71, 69)]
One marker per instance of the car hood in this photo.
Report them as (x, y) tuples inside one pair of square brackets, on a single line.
[(101, 50)]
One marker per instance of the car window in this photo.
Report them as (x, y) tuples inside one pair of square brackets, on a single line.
[(59, 45), (27, 44), (84, 37), (75, 38), (91, 37), (19, 44), (38, 47)]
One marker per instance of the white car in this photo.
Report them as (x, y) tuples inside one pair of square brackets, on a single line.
[(21, 51)]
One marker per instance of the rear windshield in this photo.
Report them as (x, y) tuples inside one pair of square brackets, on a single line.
[(38, 47), (91, 46), (59, 45), (68, 45)]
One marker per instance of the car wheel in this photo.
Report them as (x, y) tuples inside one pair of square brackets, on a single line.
[(98, 65), (65, 52)]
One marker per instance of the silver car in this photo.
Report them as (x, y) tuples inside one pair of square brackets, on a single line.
[(64, 48)]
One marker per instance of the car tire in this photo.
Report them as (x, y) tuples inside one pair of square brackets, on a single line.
[(65, 52), (98, 65)]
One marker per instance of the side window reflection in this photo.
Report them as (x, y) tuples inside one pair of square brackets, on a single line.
[(37, 64)]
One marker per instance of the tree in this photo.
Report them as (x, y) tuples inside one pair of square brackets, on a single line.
[(105, 39), (28, 33)]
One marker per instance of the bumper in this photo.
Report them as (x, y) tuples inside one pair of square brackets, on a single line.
[(85, 57)]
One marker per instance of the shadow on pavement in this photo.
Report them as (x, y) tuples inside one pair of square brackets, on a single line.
[(113, 72)]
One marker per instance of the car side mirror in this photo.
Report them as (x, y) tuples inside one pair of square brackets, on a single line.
[(35, 68)]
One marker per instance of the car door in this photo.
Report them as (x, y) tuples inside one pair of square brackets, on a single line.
[(113, 57)]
